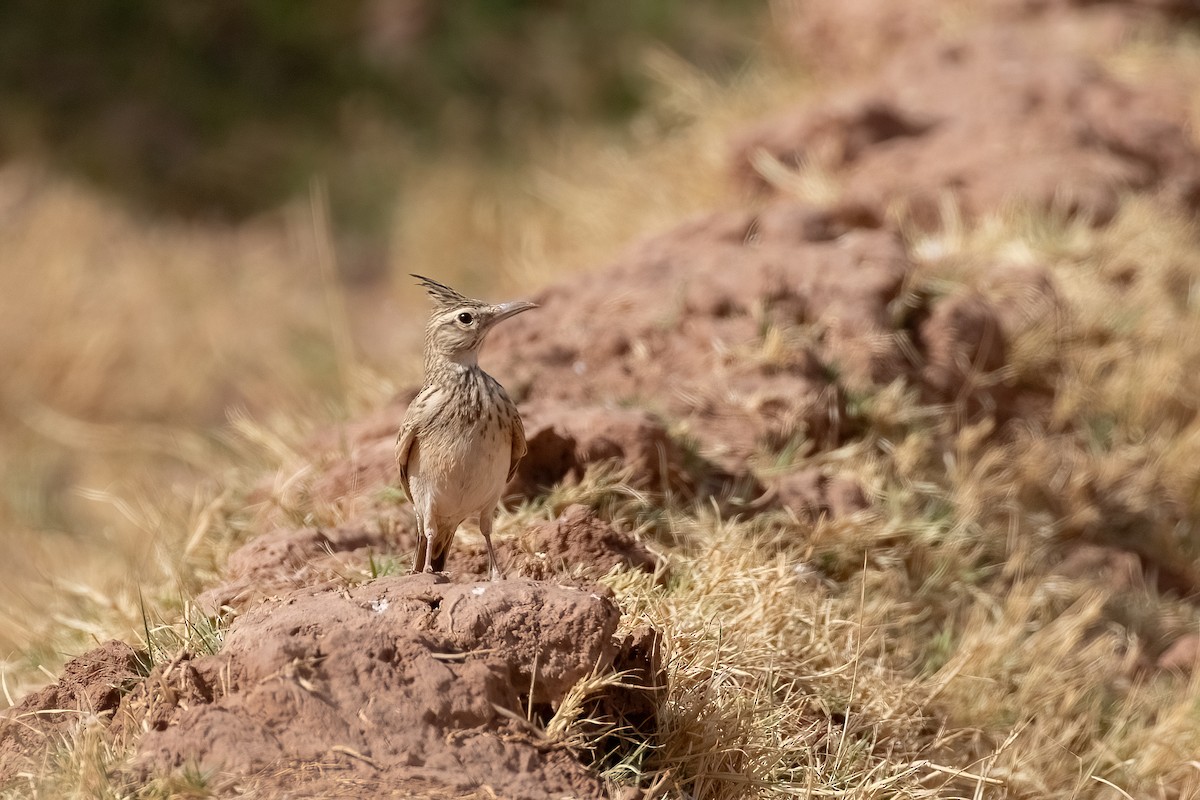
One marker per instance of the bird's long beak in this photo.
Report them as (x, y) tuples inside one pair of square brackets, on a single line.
[(506, 310)]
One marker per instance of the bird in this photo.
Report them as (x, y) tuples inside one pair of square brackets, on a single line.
[(462, 436)]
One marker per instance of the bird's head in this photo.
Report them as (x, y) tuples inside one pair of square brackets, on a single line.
[(459, 325)]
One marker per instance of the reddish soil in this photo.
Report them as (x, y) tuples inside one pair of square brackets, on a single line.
[(1000, 114), (410, 681), (739, 342), (88, 692), (575, 548), (859, 36), (763, 324)]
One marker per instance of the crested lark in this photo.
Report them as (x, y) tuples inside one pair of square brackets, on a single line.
[(462, 436)]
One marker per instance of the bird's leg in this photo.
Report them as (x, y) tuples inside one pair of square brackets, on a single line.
[(419, 555), (485, 527), (429, 536)]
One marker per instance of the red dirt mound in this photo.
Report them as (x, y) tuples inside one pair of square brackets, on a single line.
[(357, 476), (564, 440), (748, 327), (405, 683), (576, 547), (990, 117), (291, 558), (90, 689), (693, 305), (854, 36)]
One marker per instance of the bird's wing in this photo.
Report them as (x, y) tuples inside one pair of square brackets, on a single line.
[(419, 412), (519, 447)]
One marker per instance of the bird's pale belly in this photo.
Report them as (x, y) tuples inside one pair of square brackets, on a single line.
[(460, 476)]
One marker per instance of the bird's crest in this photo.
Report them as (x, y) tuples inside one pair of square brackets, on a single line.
[(443, 295)]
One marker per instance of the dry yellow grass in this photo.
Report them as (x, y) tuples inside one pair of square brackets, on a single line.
[(918, 650), (125, 342)]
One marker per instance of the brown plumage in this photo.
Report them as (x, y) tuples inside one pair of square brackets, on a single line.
[(462, 436)]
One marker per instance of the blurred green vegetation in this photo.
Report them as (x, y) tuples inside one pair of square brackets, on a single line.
[(223, 108)]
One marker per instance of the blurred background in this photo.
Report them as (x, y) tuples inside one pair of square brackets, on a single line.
[(208, 212)]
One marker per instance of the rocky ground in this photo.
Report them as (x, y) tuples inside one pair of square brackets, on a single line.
[(825, 360)]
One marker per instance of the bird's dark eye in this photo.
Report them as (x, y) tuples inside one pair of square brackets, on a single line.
[(466, 318)]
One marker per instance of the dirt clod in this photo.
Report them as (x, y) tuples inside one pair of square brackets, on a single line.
[(576, 546), (697, 307), (991, 117), (90, 689), (407, 681), (564, 440), (290, 558)]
